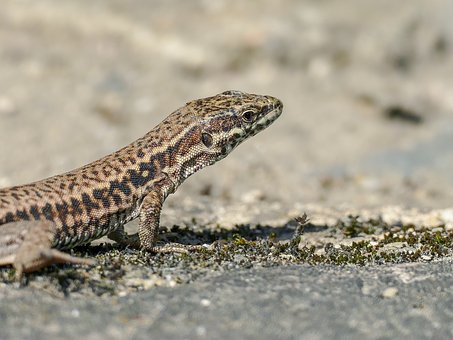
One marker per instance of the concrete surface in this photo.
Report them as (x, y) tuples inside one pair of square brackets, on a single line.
[(407, 301)]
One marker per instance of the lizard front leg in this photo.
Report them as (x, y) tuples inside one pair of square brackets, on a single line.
[(149, 225), (149, 218)]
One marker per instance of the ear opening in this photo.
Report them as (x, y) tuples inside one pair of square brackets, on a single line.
[(207, 139)]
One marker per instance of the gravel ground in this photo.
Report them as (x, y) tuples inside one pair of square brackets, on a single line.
[(363, 147)]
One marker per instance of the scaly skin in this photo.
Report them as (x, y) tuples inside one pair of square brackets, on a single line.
[(97, 199)]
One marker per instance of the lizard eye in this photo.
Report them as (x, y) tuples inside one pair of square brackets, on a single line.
[(248, 115), (206, 139)]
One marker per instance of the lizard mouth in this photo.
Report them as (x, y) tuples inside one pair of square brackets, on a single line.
[(273, 112)]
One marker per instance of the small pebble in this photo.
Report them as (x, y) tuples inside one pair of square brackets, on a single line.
[(205, 302), (390, 292), (75, 313)]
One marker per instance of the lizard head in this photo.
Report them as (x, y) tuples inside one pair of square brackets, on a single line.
[(223, 122)]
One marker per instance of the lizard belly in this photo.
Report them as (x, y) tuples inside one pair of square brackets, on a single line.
[(97, 228)]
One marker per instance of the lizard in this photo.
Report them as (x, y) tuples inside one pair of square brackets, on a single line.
[(39, 220)]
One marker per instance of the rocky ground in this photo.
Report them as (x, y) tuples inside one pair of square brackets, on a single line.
[(363, 147)]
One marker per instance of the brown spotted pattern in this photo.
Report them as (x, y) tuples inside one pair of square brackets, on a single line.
[(89, 202)]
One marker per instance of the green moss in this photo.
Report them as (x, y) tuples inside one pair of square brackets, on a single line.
[(350, 242), (353, 228)]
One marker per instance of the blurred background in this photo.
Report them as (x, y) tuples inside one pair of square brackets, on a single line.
[(367, 88)]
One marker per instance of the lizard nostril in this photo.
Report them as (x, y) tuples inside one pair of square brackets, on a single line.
[(274, 102)]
